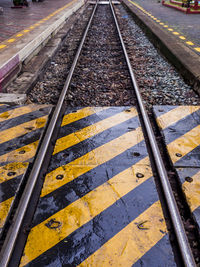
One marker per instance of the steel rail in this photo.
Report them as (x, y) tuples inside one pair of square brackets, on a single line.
[(12, 236), (184, 246)]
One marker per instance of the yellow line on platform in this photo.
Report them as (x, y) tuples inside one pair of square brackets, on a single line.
[(2, 45), (189, 43), (165, 26)]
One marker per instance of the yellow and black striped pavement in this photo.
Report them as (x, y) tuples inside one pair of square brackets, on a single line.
[(99, 205), (180, 126), (20, 131)]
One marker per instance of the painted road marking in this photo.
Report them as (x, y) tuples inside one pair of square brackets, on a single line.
[(181, 134), (93, 159), (74, 138), (99, 185), (2, 45), (22, 129), (165, 26), (130, 244), (16, 128)]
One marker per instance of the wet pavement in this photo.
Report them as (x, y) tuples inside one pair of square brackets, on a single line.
[(15, 20), (99, 205), (20, 130), (186, 25), (180, 127)]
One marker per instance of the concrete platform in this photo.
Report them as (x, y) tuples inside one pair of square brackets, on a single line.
[(24, 31), (99, 205), (174, 33), (180, 127)]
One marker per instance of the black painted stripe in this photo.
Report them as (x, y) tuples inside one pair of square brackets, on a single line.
[(20, 141), (89, 120), (158, 256), (8, 188), (191, 159), (10, 123), (70, 192), (181, 127), (83, 242), (82, 148), (6, 108)]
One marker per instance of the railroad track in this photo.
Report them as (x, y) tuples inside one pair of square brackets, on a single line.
[(13, 246)]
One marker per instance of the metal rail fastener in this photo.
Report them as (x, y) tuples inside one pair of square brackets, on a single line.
[(13, 233), (184, 246)]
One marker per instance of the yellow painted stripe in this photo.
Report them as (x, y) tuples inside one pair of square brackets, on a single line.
[(4, 209), (175, 115), (192, 191), (184, 144), (17, 156), (22, 129), (18, 168), (197, 49), (30, 149), (87, 132), (131, 243), (80, 114), (91, 160), (10, 114), (41, 238)]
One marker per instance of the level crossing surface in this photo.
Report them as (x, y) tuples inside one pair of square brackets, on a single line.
[(99, 205)]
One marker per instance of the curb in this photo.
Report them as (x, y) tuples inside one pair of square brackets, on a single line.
[(183, 58)]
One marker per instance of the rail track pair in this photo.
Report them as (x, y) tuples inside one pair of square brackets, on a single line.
[(42, 160)]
